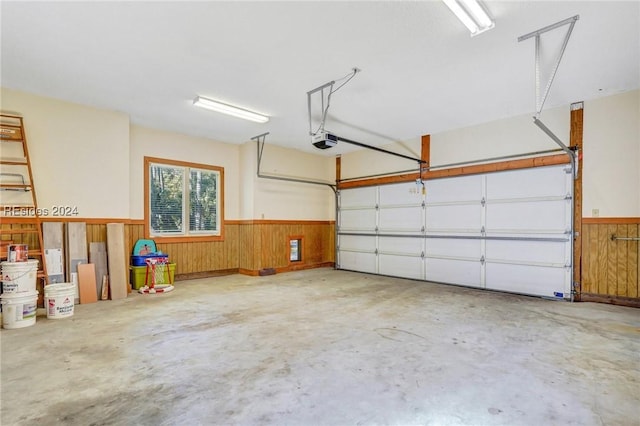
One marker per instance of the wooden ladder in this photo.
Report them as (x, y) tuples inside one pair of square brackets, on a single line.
[(21, 218)]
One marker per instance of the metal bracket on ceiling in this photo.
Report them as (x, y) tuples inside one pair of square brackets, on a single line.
[(572, 155), (540, 99), (260, 139), (326, 90)]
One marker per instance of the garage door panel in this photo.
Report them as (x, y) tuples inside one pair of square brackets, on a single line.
[(449, 247), (527, 251), (401, 266), (520, 207), (358, 197), (357, 242), (453, 272), (358, 220), (400, 194), (527, 279), (536, 182), (405, 219), (527, 216), (356, 261), (395, 245), (457, 218), (465, 188)]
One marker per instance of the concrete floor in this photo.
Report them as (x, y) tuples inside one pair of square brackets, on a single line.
[(325, 347)]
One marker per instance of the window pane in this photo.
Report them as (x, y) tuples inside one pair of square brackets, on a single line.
[(294, 251), (165, 198), (203, 200)]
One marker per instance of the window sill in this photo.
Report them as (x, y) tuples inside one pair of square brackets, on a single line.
[(186, 238)]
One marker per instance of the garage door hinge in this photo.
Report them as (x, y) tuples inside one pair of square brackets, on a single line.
[(483, 201), (483, 231), (376, 252), (422, 255), (377, 207), (482, 260), (376, 229), (422, 229), (568, 196), (424, 205)]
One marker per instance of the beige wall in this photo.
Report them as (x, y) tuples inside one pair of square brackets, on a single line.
[(611, 180), (611, 177), (289, 200), (510, 136), (247, 180), (93, 159), (79, 154), (515, 135), (175, 146), (367, 162)]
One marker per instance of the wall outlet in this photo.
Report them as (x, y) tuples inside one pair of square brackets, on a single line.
[(595, 212)]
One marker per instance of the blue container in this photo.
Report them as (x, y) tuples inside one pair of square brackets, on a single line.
[(142, 259)]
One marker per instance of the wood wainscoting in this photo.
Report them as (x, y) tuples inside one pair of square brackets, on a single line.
[(248, 247), (610, 268), (264, 244)]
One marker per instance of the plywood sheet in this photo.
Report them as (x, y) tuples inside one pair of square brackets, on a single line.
[(87, 283), (117, 261), (105, 288), (53, 242), (76, 241), (98, 256)]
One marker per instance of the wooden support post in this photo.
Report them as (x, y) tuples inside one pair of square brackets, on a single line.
[(425, 153), (575, 140)]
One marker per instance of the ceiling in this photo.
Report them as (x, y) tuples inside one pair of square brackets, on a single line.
[(422, 73)]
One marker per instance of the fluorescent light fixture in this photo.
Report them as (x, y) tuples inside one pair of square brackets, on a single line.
[(230, 110), (472, 14)]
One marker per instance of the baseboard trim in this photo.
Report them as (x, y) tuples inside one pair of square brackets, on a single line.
[(249, 272), (205, 274), (290, 268), (612, 300)]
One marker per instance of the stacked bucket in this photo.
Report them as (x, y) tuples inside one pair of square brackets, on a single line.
[(19, 297)]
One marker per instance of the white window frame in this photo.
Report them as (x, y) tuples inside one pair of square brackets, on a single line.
[(185, 234)]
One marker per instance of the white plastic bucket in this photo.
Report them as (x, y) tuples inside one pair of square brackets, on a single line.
[(19, 277), (19, 309), (58, 300)]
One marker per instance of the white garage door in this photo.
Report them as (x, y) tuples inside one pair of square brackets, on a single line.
[(507, 231)]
